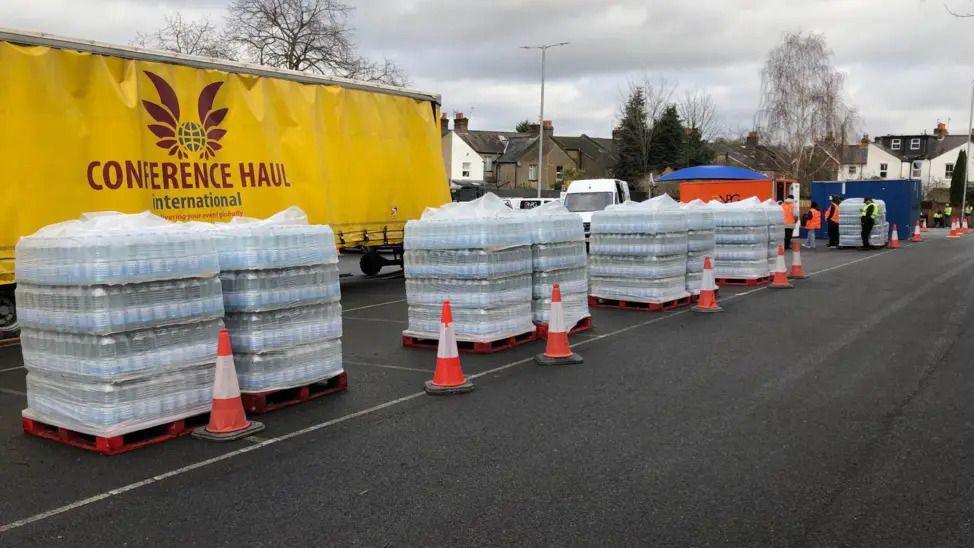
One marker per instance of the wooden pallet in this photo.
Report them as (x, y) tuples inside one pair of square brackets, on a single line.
[(114, 445), (744, 281), (582, 325), (600, 302), (474, 347), (263, 402)]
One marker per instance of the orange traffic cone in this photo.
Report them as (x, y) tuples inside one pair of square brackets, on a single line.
[(954, 230), (923, 225), (448, 377), (916, 233), (797, 271), (227, 418), (780, 279), (894, 238), (557, 351), (963, 227), (708, 290)]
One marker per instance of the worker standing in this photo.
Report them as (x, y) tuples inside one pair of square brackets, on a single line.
[(938, 219), (832, 218), (813, 222), (948, 215), (968, 209), (788, 209), (867, 217)]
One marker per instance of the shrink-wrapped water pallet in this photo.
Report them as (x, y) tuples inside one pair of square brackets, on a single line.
[(281, 294), (558, 256), (478, 256), (850, 226), (741, 238), (638, 252), (701, 242), (119, 317)]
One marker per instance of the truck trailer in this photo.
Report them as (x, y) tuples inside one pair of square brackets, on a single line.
[(88, 126)]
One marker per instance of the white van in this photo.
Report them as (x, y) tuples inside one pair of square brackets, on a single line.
[(587, 196)]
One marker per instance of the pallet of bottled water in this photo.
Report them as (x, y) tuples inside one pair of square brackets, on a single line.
[(741, 237), (282, 299), (639, 251), (850, 227), (776, 231), (558, 256), (478, 256), (701, 242), (119, 315)]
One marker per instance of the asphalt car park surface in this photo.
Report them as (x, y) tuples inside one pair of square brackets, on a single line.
[(836, 413)]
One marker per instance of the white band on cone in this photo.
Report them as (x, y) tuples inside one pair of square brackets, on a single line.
[(779, 265), (225, 385), (707, 282), (556, 318), (447, 348)]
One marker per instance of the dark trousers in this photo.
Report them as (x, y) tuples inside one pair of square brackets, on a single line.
[(867, 228), (833, 234), (789, 232)]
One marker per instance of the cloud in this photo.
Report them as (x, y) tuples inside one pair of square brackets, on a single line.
[(905, 59)]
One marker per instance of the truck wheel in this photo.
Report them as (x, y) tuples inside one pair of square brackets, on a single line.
[(371, 263), (8, 310)]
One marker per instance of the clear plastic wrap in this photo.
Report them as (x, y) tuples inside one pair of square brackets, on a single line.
[(639, 290), (258, 290), (258, 246), (633, 218), (484, 223), (295, 366), (552, 222), (113, 408), (741, 239), (252, 332), (645, 266), (115, 249), (575, 306), (671, 243), (467, 263), (104, 309), (122, 355), (850, 227), (694, 282), (741, 252), (558, 255), (570, 280), (473, 324), (467, 293)]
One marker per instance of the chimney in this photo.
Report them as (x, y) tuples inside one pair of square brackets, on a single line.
[(444, 124), (751, 141), (460, 123), (941, 131), (549, 129)]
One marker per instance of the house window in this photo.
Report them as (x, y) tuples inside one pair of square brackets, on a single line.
[(915, 172), (489, 164), (894, 144), (558, 173), (852, 170), (915, 144), (883, 170), (465, 170), (949, 171), (533, 172)]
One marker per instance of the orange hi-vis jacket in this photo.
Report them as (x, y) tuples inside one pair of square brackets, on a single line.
[(789, 209), (815, 221), (833, 214)]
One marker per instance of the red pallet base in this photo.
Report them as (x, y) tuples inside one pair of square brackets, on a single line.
[(744, 281), (696, 298), (114, 445), (599, 302), (583, 325), (472, 347), (263, 402)]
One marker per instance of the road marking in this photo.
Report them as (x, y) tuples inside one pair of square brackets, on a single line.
[(313, 428), (373, 305), (388, 366)]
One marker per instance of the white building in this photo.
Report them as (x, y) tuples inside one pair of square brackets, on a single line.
[(928, 158), (462, 162)]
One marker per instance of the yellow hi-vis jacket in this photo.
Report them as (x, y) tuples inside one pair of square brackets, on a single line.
[(867, 212)]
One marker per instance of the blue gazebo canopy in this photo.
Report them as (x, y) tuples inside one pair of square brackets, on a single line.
[(697, 173)]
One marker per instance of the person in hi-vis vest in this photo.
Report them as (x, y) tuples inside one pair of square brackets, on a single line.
[(832, 218), (867, 217), (788, 210)]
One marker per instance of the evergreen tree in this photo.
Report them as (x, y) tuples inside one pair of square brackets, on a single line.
[(667, 146), (523, 126), (696, 151), (958, 178), (633, 139)]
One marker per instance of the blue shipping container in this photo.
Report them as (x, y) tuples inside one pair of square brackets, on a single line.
[(902, 197)]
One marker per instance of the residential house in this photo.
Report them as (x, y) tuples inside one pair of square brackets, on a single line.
[(749, 153), (594, 157), (518, 166), (927, 157)]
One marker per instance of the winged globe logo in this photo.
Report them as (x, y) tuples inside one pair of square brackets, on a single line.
[(185, 138)]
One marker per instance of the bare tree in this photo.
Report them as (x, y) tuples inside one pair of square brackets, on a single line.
[(803, 109), (200, 37), (659, 94), (305, 35), (698, 112)]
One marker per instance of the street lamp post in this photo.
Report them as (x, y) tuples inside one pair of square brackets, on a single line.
[(544, 52), (967, 175)]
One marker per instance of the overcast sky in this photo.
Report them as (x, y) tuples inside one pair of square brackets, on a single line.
[(906, 60)]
